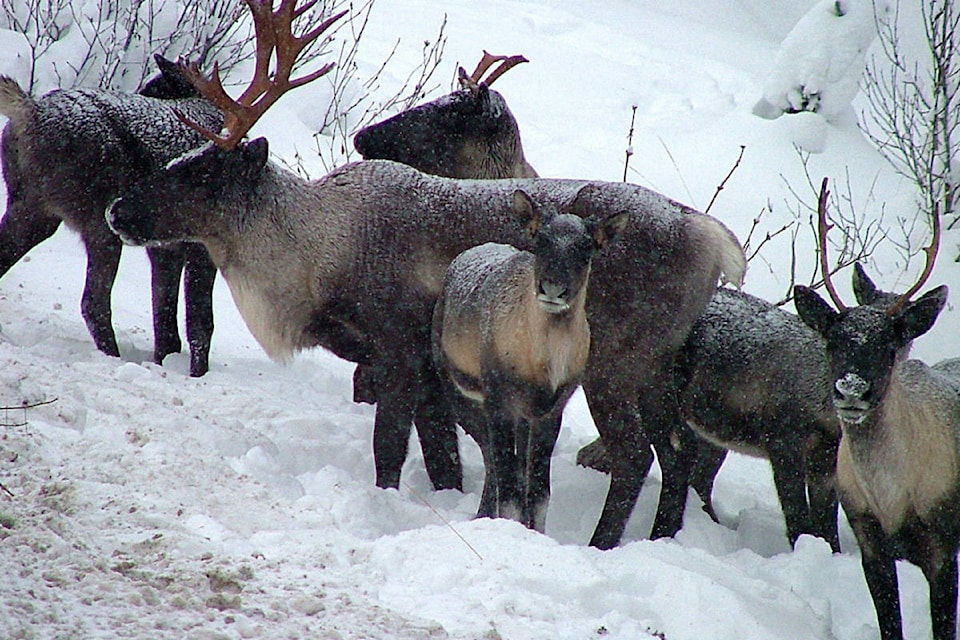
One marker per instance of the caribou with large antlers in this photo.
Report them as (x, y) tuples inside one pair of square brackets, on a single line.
[(898, 465), (354, 262)]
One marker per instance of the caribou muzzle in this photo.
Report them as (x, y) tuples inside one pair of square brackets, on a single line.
[(849, 398), (553, 297)]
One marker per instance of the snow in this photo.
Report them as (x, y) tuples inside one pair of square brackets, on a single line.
[(819, 64), (143, 503)]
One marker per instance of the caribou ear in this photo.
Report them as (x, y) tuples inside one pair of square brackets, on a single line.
[(918, 316), (253, 156), (607, 230), (863, 288), (585, 202), (167, 67), (813, 310), (526, 212)]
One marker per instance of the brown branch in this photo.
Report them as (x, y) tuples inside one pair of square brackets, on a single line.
[(723, 183), (770, 235), (629, 149), (29, 405)]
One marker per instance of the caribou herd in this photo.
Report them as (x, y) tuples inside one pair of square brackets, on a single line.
[(504, 292)]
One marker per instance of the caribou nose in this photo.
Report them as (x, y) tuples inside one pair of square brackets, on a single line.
[(851, 387), (849, 398), (553, 297), (552, 290)]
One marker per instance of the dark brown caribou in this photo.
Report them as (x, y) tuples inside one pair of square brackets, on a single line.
[(67, 155)]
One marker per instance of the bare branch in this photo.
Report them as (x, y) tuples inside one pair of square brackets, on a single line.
[(629, 149), (723, 183)]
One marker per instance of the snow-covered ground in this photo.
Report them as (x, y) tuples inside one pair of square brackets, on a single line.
[(142, 503)]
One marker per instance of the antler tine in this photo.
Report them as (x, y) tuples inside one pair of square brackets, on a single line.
[(274, 35), (930, 257), (212, 90), (290, 46), (508, 63), (275, 30), (485, 63), (266, 39), (823, 228)]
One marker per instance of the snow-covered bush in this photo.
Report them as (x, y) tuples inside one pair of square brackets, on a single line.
[(820, 62)]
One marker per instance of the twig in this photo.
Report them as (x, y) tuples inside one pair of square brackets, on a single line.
[(723, 183), (6, 491), (629, 150), (673, 161), (768, 237), (22, 407), (444, 520)]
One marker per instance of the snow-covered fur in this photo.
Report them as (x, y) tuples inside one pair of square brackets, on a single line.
[(67, 155), (898, 466), (472, 134), (510, 334), (755, 380), (469, 133), (354, 262)]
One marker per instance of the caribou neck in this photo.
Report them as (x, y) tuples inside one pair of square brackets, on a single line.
[(884, 463)]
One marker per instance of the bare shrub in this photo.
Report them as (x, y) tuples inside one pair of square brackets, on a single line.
[(912, 111), (108, 44)]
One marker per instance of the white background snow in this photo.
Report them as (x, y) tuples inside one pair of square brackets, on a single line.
[(144, 504)]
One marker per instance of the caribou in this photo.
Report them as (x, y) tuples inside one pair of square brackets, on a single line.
[(50, 145), (355, 261), (510, 332), (898, 465)]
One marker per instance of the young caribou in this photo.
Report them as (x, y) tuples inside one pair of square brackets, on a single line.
[(510, 332)]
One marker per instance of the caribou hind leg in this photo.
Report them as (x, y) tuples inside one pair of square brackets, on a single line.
[(629, 454), (821, 489), (166, 264), (676, 447), (103, 260), (391, 434), (437, 431), (198, 280), (704, 473), (412, 389), (789, 475), (21, 230)]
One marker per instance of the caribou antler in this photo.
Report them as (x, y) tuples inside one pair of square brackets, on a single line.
[(930, 257), (473, 80), (823, 228), (274, 35)]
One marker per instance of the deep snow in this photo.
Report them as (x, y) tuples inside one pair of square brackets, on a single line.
[(142, 503)]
